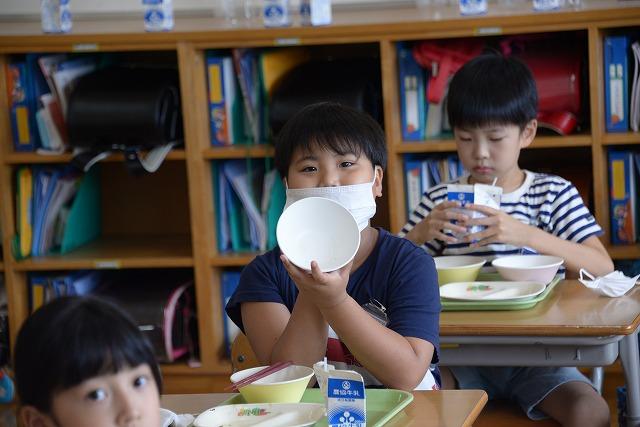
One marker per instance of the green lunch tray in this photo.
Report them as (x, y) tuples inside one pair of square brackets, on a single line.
[(382, 404), (520, 304)]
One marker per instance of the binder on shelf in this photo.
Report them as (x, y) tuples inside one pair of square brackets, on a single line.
[(623, 197), (21, 112), (616, 77), (413, 182), (219, 116), (412, 95), (24, 197), (228, 284), (63, 208), (634, 103)]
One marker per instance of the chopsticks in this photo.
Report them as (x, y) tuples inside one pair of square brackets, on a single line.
[(260, 374)]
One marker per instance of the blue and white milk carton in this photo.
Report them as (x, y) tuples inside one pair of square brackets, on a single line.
[(344, 395), (542, 5), (315, 12), (473, 7), (158, 15), (275, 13), (479, 194), (55, 16)]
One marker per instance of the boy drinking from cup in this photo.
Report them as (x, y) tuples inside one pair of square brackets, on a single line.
[(492, 106)]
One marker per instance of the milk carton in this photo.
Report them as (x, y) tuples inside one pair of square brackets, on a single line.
[(479, 194), (275, 13), (315, 12), (344, 395), (158, 15)]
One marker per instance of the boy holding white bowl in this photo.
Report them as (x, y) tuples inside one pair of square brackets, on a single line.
[(289, 313), (492, 108)]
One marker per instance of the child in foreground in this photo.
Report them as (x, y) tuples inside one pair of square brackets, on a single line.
[(492, 106), (288, 313), (81, 361)]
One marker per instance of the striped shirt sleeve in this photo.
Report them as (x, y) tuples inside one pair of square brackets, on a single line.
[(569, 218)]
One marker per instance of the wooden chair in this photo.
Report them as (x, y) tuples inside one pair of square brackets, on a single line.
[(242, 356)]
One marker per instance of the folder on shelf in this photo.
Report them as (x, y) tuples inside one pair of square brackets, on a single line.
[(220, 185), (273, 201), (412, 95), (236, 172), (623, 197), (616, 83), (84, 220), (228, 283)]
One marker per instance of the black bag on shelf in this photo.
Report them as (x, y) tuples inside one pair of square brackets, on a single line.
[(128, 110), (352, 82)]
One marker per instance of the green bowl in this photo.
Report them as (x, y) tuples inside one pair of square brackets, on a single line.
[(458, 268)]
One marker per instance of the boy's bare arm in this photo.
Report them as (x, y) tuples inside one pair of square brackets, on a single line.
[(277, 335), (503, 228), (398, 362)]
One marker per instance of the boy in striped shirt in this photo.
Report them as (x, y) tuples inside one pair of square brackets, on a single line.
[(492, 107)]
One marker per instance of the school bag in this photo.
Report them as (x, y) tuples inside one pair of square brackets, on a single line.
[(125, 109)]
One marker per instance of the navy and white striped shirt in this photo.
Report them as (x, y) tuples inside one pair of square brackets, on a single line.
[(548, 202)]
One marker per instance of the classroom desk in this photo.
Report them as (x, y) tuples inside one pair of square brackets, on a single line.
[(573, 326), (445, 408)]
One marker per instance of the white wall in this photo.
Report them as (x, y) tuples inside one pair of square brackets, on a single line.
[(26, 8)]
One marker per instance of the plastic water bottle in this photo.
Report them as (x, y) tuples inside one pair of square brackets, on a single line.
[(55, 15), (542, 5), (275, 13), (158, 15), (473, 7)]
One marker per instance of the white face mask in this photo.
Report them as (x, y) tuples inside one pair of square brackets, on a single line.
[(614, 284), (357, 199)]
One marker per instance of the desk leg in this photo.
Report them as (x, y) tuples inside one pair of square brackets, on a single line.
[(631, 365)]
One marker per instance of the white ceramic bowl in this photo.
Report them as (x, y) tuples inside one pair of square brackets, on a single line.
[(539, 268), (318, 229), (458, 268), (284, 386)]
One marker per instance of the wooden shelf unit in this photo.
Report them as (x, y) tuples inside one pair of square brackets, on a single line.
[(189, 241)]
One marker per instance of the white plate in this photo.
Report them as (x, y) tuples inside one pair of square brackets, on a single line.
[(264, 414), (491, 291)]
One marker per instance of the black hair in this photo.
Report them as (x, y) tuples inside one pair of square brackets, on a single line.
[(72, 339), (492, 89), (332, 126)]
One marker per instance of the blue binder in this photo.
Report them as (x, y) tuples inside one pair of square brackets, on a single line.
[(616, 79)]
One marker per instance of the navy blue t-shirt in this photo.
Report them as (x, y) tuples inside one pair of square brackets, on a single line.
[(397, 273)]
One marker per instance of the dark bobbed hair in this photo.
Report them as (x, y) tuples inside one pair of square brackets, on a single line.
[(73, 339), (332, 126), (492, 89)]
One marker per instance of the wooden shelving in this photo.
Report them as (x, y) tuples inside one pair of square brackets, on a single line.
[(449, 145), (233, 260), (181, 232), (235, 152), (623, 138), (115, 252), (33, 158), (624, 251)]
